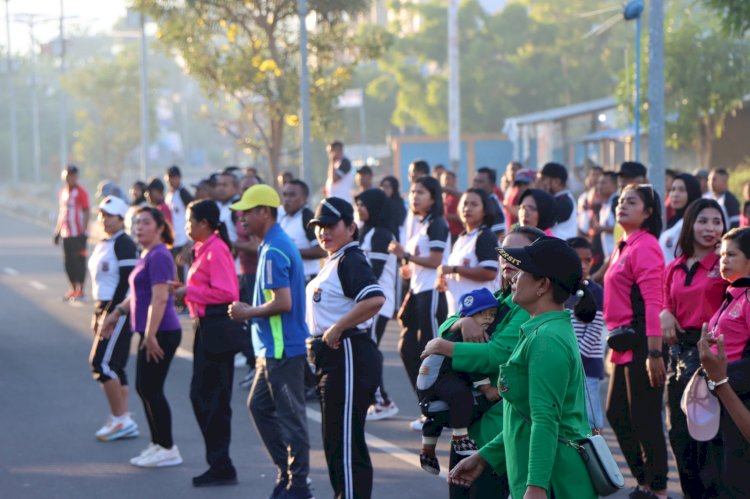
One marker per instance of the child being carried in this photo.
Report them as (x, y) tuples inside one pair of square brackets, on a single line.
[(467, 395)]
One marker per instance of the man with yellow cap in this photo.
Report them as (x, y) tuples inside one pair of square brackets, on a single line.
[(277, 397)]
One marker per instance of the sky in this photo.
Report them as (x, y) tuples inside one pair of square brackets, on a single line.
[(88, 15)]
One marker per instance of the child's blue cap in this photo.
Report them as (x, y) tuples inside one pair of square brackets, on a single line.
[(475, 301)]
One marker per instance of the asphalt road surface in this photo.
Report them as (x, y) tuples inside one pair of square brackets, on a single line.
[(50, 407)]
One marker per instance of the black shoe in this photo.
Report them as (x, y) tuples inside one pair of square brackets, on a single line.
[(247, 380), (279, 489), (302, 492), (213, 478), (637, 493)]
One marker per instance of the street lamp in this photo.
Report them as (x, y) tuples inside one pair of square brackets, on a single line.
[(632, 12)]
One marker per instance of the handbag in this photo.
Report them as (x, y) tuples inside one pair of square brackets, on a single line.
[(221, 335), (625, 338)]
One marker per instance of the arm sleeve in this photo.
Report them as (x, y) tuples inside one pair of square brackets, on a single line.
[(276, 274), (668, 276), (549, 377), (494, 453), (486, 357), (126, 254), (357, 280), (222, 284), (437, 233), (344, 167), (648, 269), (160, 268), (185, 196), (379, 254), (486, 250), (564, 207)]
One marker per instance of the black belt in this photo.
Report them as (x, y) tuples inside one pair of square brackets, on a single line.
[(349, 333), (217, 310)]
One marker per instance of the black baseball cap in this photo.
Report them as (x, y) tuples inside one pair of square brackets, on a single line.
[(174, 171), (548, 257), (71, 170), (555, 170), (632, 169), (330, 211)]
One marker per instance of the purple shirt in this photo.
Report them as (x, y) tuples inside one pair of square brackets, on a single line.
[(156, 268)]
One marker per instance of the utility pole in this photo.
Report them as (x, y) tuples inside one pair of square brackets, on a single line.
[(454, 95), (63, 112), (144, 100), (12, 101), (30, 20), (304, 95), (656, 95)]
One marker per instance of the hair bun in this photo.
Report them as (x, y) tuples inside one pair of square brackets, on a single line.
[(579, 293)]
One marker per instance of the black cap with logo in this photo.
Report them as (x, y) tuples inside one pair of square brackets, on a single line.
[(330, 211), (548, 257)]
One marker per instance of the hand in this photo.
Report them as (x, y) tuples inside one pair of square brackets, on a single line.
[(472, 332), (441, 285), (443, 270), (657, 373), (56, 239), (331, 337), (669, 327), (240, 312), (405, 272), (435, 345), (396, 249), (94, 325), (177, 289), (491, 393), (533, 492), (467, 470), (105, 330), (153, 350), (714, 364)]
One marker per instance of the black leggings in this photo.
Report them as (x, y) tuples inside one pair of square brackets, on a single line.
[(422, 314), (149, 383), (379, 322), (74, 251)]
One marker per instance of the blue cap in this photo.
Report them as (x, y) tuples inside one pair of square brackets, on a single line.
[(475, 301)]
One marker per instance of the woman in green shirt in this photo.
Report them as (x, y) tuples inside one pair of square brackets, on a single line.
[(542, 383), (476, 354)]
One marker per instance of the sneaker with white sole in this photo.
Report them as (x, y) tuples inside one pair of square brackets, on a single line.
[(418, 423), (464, 446), (160, 457), (381, 411), (152, 447), (113, 430)]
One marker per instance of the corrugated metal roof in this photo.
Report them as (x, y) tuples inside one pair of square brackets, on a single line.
[(559, 113)]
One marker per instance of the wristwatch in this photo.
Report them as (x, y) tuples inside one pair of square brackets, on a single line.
[(654, 353), (407, 257), (713, 384)]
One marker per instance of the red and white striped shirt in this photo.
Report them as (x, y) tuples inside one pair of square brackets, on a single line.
[(74, 202)]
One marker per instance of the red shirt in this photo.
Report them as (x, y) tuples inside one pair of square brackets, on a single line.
[(74, 202), (514, 199), (248, 260), (211, 279), (167, 212), (450, 206), (637, 259), (693, 299), (733, 321)]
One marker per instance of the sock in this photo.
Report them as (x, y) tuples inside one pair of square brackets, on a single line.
[(121, 419), (429, 441), (459, 433)]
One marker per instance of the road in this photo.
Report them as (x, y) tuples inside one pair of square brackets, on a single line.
[(51, 406)]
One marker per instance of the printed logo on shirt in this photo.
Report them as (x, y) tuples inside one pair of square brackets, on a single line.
[(714, 273), (317, 295), (734, 312)]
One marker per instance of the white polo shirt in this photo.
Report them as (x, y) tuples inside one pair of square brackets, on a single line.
[(177, 206), (477, 248), (374, 245), (342, 188), (565, 228), (430, 234), (345, 279), (295, 226), (119, 251)]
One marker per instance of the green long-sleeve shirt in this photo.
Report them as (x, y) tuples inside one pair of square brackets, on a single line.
[(486, 358), (543, 381)]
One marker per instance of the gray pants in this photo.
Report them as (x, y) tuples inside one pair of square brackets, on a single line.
[(277, 403)]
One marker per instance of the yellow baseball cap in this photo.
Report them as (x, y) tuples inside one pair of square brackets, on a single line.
[(257, 195)]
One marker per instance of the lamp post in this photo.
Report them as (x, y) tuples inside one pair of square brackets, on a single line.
[(656, 95), (632, 12), (454, 95), (304, 95), (12, 101)]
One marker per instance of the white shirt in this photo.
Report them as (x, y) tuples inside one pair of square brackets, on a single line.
[(431, 233), (565, 229), (225, 215), (607, 219), (387, 279), (294, 226), (104, 265), (668, 241), (178, 208), (466, 253), (342, 188)]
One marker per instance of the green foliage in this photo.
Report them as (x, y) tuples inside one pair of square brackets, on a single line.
[(734, 14), (249, 52), (528, 57), (108, 89)]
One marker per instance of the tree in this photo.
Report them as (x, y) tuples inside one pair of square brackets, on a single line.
[(108, 128), (249, 52), (734, 14)]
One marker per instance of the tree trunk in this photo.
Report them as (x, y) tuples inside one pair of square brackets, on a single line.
[(274, 150)]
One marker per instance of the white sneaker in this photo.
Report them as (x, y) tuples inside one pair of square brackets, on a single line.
[(115, 430), (161, 457), (381, 411), (417, 424), (152, 447)]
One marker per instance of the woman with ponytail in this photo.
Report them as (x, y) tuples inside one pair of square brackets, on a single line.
[(542, 383), (211, 287)]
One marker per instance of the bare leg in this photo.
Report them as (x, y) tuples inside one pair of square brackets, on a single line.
[(117, 397)]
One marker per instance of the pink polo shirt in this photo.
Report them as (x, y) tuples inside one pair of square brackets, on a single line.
[(733, 320), (212, 279), (637, 259), (693, 295)]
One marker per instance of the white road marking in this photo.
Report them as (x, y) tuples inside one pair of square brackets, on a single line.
[(37, 285), (372, 441), (10, 271)]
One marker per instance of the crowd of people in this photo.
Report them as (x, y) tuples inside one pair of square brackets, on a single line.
[(515, 300)]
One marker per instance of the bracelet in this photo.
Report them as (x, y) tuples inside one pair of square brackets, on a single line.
[(407, 257), (121, 310)]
